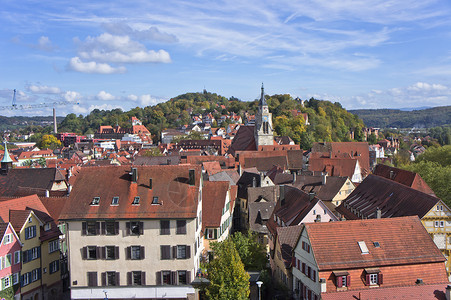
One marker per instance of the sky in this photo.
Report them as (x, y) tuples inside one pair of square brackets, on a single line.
[(135, 53)]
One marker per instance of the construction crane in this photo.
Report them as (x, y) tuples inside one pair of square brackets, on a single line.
[(14, 105)]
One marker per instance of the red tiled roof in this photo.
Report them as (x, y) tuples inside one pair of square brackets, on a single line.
[(169, 183), (212, 167), (392, 198), (335, 244), (213, 201), (427, 291), (287, 238), (405, 177), (244, 140)]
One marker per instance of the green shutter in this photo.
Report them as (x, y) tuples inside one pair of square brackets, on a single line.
[(215, 233)]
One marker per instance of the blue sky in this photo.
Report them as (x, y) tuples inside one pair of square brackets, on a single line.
[(107, 54)]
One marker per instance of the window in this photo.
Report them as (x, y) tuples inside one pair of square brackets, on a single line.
[(155, 200), (164, 227), (8, 260), (181, 276), (95, 201), (165, 252), (442, 224), (436, 224), (343, 281), (115, 201), (111, 228), (26, 278), (30, 219), (306, 247), (54, 266), (135, 252), (136, 278), (31, 254), (8, 238), (314, 211), (92, 228), (181, 251), (30, 232), (166, 276), (136, 228), (91, 252), (35, 274), (110, 278), (373, 278), (6, 282), (211, 234), (54, 246), (16, 257), (110, 252), (181, 227), (34, 253), (136, 201), (15, 278), (47, 226)]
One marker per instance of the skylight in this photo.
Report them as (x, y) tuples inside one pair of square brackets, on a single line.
[(376, 244), (115, 201), (136, 201), (155, 200), (363, 247), (95, 201)]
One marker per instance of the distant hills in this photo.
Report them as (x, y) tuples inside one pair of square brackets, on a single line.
[(423, 118)]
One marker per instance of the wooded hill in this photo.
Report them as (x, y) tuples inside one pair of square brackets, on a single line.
[(395, 118)]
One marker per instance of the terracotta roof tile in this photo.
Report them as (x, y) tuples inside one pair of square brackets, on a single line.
[(287, 238), (335, 244), (213, 201)]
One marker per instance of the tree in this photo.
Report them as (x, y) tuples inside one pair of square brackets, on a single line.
[(252, 253), (42, 162), (228, 279), (372, 139), (152, 152), (49, 141)]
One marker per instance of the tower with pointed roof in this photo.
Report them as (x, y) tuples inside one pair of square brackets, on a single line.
[(7, 162), (263, 130)]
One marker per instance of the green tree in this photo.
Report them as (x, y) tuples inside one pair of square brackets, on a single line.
[(49, 141), (228, 279), (42, 162), (252, 253), (152, 152), (372, 139), (440, 155)]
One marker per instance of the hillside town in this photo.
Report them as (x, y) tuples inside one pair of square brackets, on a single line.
[(116, 215)]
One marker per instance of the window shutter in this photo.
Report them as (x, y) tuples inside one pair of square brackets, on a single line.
[(39, 251), (339, 281), (118, 277), (97, 228), (30, 256), (128, 227), (303, 268), (98, 252), (84, 253), (141, 228), (141, 254), (314, 276), (25, 256), (215, 235), (129, 278), (348, 280), (188, 277), (143, 278), (128, 252), (293, 261), (379, 278), (174, 252), (367, 277), (158, 278), (83, 228), (174, 278), (116, 228), (102, 227), (104, 279), (26, 233), (116, 252), (102, 253), (309, 272), (188, 251)]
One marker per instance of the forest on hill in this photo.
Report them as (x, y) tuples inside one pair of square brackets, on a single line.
[(395, 118), (327, 121)]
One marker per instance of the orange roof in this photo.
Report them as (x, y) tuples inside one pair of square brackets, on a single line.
[(213, 197), (335, 244), (212, 167)]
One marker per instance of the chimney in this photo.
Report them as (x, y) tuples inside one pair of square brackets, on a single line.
[(448, 292), (47, 193), (69, 189), (419, 281), (294, 177), (322, 281), (134, 175), (392, 174), (254, 181), (282, 194), (378, 213), (168, 162), (262, 177), (311, 195), (275, 193), (240, 171), (150, 183), (324, 178), (192, 177)]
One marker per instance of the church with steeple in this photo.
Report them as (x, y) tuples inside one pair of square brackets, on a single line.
[(263, 130)]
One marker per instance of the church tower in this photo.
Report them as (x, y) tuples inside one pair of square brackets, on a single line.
[(263, 130), (7, 163)]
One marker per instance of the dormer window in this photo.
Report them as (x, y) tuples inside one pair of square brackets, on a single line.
[(95, 201), (47, 227), (115, 201), (155, 200), (136, 200), (30, 219)]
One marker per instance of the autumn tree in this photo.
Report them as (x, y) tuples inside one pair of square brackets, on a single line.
[(49, 141), (228, 279)]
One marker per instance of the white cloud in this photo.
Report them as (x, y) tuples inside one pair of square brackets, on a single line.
[(104, 107), (132, 97), (147, 100), (78, 109), (43, 44), (76, 64), (71, 96), (104, 96), (133, 57), (43, 89), (149, 33)]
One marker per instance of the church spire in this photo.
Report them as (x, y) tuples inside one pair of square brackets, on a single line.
[(262, 97), (6, 157)]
